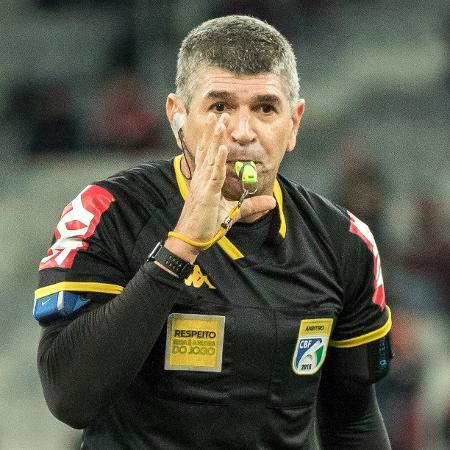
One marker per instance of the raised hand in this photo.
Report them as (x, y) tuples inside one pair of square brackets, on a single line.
[(205, 207)]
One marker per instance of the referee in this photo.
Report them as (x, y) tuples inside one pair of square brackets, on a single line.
[(207, 302)]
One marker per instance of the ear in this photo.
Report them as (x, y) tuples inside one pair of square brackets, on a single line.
[(296, 118), (178, 121), (176, 115)]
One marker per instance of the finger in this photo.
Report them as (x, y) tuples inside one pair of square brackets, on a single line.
[(205, 140), (217, 138), (256, 205), (219, 172)]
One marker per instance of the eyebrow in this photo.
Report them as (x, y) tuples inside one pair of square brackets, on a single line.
[(268, 98), (222, 95), (228, 96)]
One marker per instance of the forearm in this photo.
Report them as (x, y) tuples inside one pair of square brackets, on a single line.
[(83, 363), (350, 418)]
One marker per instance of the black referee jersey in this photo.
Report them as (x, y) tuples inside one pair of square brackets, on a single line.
[(230, 358)]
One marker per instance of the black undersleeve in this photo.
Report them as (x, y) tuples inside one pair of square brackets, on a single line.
[(348, 414), (85, 361)]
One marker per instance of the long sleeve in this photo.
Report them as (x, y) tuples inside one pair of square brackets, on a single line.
[(83, 362), (348, 414)]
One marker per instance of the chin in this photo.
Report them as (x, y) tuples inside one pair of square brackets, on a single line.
[(232, 189)]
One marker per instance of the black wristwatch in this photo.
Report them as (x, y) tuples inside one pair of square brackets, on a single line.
[(174, 263)]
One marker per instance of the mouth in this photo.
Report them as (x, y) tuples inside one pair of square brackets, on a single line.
[(235, 160), (232, 162), (231, 172)]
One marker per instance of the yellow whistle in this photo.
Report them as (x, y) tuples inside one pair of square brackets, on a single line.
[(246, 171)]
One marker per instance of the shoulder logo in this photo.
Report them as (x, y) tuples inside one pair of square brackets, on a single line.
[(363, 232), (311, 347), (78, 221), (197, 279)]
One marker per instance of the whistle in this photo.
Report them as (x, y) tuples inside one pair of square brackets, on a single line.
[(246, 171)]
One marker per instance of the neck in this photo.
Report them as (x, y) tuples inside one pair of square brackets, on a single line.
[(253, 217)]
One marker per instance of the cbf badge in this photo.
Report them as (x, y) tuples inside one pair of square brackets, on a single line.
[(194, 342), (311, 347)]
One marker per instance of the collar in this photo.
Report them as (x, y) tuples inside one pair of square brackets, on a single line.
[(227, 246)]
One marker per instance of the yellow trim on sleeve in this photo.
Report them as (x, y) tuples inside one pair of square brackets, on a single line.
[(365, 338), (78, 286)]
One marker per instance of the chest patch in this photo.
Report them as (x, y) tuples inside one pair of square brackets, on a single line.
[(311, 346), (194, 342)]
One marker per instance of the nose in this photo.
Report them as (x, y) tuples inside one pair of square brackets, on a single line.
[(241, 128)]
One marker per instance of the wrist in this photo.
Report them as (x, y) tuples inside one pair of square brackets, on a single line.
[(181, 249), (170, 262)]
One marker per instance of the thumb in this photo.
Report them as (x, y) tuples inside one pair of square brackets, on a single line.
[(256, 205)]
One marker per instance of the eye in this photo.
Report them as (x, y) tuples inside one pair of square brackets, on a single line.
[(267, 108), (219, 107)]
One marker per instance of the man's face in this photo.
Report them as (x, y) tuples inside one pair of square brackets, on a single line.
[(261, 125)]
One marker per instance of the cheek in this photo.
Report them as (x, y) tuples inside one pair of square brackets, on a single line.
[(192, 133), (276, 143)]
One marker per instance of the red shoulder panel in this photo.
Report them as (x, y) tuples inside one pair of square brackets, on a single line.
[(363, 232), (78, 221)]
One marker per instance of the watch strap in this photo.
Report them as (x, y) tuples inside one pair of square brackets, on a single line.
[(174, 263)]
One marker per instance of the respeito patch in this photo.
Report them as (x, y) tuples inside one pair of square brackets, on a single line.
[(194, 342)]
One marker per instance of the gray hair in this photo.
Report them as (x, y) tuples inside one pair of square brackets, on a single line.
[(242, 45)]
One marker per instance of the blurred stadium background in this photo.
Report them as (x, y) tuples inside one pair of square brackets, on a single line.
[(82, 93)]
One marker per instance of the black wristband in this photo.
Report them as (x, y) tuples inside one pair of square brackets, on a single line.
[(174, 263)]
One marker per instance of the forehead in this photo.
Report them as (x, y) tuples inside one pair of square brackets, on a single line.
[(214, 79)]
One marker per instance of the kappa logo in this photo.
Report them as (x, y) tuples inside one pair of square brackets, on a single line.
[(197, 279), (311, 346)]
